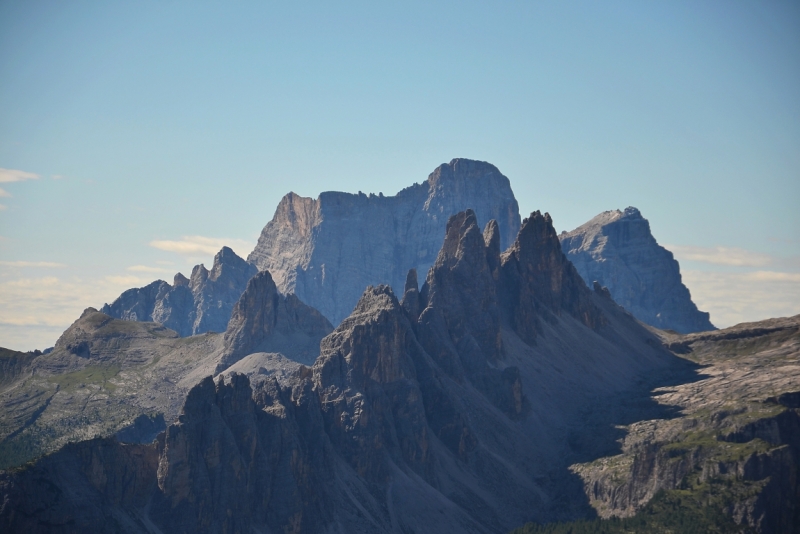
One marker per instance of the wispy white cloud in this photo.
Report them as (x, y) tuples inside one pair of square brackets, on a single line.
[(4, 193), (195, 245), (14, 175), (57, 177), (720, 256), (128, 281), (2, 207), (50, 264), (146, 269), (733, 298)]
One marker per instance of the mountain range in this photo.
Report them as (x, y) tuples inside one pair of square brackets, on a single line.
[(502, 390), (326, 251)]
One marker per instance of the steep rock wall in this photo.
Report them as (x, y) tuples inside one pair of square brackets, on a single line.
[(617, 249), (328, 250)]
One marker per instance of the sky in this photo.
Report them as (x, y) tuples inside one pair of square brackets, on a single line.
[(137, 138)]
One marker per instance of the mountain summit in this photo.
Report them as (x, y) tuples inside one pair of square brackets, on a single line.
[(328, 250), (617, 249)]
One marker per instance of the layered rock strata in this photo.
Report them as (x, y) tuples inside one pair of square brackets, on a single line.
[(617, 249), (202, 303), (328, 250)]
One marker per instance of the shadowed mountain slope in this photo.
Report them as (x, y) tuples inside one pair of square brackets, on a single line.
[(728, 460)]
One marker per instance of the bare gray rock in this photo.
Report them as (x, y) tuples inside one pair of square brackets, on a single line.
[(192, 306), (263, 320), (328, 250), (617, 250)]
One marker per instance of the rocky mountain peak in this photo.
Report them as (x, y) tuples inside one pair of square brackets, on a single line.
[(491, 236), (460, 325), (463, 243), (632, 213), (540, 282), (411, 281), (263, 320), (199, 276), (373, 340), (617, 249), (328, 250), (192, 306), (227, 260), (296, 212), (137, 304), (88, 311), (411, 302)]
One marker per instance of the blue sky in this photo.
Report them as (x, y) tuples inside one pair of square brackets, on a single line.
[(136, 138)]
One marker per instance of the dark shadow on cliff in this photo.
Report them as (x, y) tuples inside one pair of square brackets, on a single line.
[(600, 428)]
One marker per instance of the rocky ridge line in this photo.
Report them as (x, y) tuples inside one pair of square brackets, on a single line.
[(200, 304)]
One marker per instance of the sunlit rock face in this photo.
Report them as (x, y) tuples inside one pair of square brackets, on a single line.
[(328, 250), (617, 249)]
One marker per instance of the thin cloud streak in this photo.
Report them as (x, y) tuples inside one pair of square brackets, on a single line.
[(193, 245), (720, 256), (15, 175), (48, 264)]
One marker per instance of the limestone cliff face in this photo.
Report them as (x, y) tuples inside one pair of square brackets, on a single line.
[(200, 304), (617, 249), (328, 250)]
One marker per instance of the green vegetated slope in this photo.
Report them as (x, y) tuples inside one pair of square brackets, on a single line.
[(727, 463), (102, 374)]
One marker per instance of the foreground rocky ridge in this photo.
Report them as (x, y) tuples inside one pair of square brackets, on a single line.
[(617, 249), (328, 250), (432, 414)]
